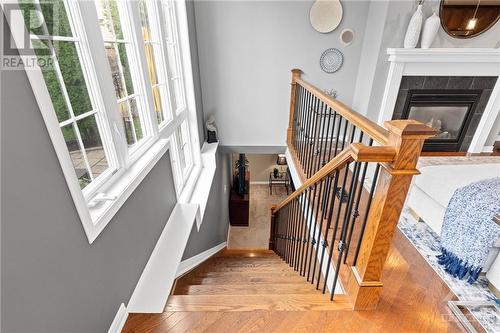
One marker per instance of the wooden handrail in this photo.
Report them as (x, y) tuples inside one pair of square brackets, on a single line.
[(375, 131), (395, 157), (354, 152)]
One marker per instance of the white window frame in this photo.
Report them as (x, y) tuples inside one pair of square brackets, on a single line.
[(97, 208)]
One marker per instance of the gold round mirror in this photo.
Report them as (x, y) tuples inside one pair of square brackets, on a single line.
[(468, 18)]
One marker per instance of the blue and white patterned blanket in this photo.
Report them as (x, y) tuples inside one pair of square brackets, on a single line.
[(468, 231)]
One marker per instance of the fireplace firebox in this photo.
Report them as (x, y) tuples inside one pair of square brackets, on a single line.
[(447, 111)]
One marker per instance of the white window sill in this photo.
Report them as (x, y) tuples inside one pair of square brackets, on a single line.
[(102, 213), (204, 183)]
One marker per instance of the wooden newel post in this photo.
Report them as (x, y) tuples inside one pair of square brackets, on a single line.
[(273, 229), (407, 137), (295, 75)]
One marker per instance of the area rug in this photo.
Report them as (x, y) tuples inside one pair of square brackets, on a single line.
[(426, 242)]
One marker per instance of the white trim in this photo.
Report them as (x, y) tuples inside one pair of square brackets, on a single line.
[(259, 182), (190, 263), (202, 188), (445, 62), (120, 319), (487, 149), (153, 288)]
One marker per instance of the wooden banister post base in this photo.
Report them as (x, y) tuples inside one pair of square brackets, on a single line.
[(364, 295), (364, 286)]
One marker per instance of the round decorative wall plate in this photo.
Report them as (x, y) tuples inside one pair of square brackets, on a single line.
[(331, 60), (325, 15)]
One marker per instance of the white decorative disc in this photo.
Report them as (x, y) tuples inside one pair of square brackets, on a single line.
[(331, 60), (325, 15)]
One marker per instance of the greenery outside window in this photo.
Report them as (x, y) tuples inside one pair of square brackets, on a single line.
[(117, 72)]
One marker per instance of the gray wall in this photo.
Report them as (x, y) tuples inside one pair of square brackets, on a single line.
[(52, 279), (246, 51), (215, 224)]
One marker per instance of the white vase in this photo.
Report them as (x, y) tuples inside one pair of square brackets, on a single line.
[(414, 28), (431, 28)]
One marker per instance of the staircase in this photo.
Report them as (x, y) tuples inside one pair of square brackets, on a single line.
[(337, 226), (236, 280)]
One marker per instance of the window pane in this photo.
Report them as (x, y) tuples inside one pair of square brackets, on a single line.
[(131, 121), (127, 124), (150, 59), (93, 146), (126, 68), (109, 20), (74, 80), (143, 10), (116, 73), (180, 143), (76, 154), (173, 56), (157, 104), (135, 117), (53, 84), (53, 14)]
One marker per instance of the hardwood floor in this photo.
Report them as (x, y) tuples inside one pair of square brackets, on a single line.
[(212, 299)]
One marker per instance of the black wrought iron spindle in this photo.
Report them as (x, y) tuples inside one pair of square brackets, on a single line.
[(339, 191), (367, 210), (331, 206)]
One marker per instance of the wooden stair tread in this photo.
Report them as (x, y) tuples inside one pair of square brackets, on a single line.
[(270, 274), (248, 289), (237, 269), (273, 302), (247, 279)]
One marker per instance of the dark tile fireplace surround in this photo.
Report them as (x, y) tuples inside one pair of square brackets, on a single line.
[(452, 104)]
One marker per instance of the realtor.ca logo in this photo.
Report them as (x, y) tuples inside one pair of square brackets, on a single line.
[(25, 34)]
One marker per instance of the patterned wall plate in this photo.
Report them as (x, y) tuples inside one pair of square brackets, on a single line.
[(331, 60)]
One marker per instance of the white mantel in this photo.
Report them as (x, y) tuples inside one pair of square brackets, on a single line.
[(445, 62)]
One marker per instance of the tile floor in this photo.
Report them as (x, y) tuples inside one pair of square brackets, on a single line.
[(256, 235)]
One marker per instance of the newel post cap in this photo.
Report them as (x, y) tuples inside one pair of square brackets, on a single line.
[(296, 72), (410, 128)]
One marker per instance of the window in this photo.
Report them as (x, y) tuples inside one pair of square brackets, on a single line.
[(174, 58), (157, 70), (78, 109), (119, 46), (114, 99)]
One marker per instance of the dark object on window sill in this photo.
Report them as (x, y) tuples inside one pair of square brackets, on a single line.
[(211, 136)]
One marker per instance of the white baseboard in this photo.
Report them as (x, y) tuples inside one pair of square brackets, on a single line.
[(119, 321), (190, 263)]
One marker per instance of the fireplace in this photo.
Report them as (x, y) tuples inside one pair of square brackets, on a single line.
[(449, 112), (453, 105)]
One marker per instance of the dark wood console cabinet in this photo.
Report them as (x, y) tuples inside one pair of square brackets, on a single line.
[(239, 208)]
